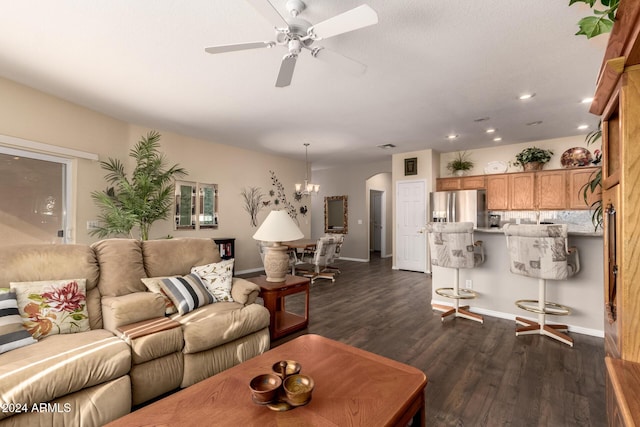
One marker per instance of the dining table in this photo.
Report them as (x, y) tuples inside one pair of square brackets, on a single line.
[(300, 246)]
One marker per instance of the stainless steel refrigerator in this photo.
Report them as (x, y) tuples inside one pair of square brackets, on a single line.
[(460, 206)]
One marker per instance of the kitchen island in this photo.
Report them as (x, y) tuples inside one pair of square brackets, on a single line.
[(498, 288)]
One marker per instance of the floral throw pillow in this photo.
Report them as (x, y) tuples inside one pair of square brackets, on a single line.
[(53, 306), (218, 278)]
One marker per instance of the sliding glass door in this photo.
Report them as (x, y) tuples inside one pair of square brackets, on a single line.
[(33, 197)]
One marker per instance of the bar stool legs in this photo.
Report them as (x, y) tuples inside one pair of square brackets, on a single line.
[(543, 308), (456, 294)]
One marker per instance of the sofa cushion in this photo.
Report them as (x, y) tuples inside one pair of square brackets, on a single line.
[(219, 323), (121, 266), (218, 278), (187, 292), (153, 284), (53, 306), (36, 262), (61, 364), (12, 332), (175, 257), (131, 308)]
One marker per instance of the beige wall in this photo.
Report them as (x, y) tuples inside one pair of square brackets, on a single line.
[(507, 153), (32, 115), (428, 164), (352, 182)]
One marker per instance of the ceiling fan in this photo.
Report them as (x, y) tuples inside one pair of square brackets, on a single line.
[(296, 34)]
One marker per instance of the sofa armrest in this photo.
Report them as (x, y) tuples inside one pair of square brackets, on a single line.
[(131, 308), (244, 291)]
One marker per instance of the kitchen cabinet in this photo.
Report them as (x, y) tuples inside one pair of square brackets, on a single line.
[(475, 182), (577, 179), (551, 189), (522, 191), (448, 184), (617, 100), (498, 192)]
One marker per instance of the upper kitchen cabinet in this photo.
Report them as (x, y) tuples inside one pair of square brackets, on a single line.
[(577, 179), (476, 182), (551, 189), (498, 192), (522, 191)]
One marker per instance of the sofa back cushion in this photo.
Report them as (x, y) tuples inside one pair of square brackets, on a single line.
[(33, 262), (175, 257), (121, 266)]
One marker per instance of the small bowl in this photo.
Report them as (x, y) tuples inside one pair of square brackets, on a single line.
[(298, 389), (291, 368), (264, 388)]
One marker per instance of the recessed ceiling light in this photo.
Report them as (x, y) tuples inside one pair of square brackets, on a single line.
[(526, 96), (583, 127), (587, 100), (490, 130), (497, 139), (536, 123), (386, 146), (452, 136)]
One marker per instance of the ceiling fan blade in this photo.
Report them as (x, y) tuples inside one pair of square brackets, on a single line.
[(238, 46), (286, 70), (347, 64), (354, 19), (266, 9)]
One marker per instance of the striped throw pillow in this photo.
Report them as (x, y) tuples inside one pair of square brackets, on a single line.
[(187, 292), (12, 332)]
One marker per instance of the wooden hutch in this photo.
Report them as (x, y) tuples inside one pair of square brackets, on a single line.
[(617, 101)]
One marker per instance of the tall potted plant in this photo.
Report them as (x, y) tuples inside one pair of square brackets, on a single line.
[(533, 158), (138, 201)]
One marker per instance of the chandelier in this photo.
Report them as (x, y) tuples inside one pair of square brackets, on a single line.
[(307, 188)]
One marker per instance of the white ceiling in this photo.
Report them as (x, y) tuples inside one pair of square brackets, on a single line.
[(433, 68)]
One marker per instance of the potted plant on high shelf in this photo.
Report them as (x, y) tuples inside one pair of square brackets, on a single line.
[(533, 158), (460, 164)]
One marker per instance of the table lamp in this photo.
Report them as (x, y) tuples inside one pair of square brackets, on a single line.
[(277, 227)]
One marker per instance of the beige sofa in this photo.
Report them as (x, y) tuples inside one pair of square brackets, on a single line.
[(90, 378)]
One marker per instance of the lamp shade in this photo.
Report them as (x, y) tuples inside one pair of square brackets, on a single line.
[(278, 227)]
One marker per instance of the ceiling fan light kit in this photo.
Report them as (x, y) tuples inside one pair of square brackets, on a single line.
[(297, 34)]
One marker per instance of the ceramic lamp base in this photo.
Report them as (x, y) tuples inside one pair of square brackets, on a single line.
[(276, 263)]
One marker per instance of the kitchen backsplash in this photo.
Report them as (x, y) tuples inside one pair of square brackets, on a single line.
[(577, 221)]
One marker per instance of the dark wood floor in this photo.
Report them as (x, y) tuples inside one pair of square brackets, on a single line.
[(479, 375)]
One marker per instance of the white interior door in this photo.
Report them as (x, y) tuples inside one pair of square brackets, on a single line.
[(411, 219)]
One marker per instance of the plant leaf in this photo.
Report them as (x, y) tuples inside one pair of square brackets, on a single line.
[(592, 26), (589, 2)]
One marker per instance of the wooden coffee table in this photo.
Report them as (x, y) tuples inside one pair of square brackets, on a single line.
[(352, 388)]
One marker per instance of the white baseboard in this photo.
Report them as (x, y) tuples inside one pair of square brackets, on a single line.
[(251, 270), (572, 328), (354, 259)]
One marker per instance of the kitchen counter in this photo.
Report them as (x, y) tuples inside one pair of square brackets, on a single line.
[(498, 288), (496, 230)]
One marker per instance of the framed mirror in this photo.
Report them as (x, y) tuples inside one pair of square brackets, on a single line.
[(208, 205), (336, 217), (185, 215), (196, 205)]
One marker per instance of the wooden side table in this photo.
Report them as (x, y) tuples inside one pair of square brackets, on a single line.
[(274, 293)]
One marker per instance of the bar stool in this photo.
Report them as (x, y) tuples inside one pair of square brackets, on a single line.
[(452, 246), (540, 251)]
